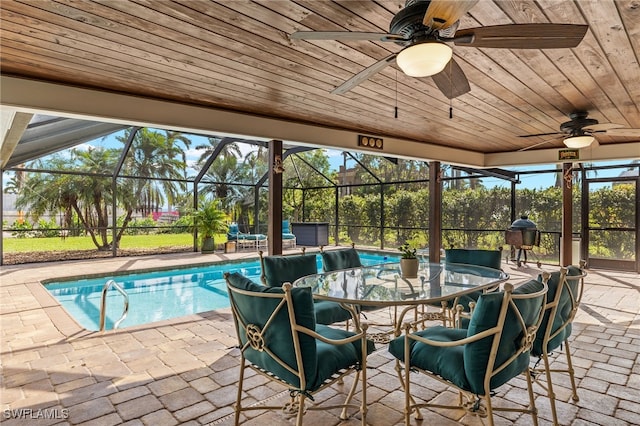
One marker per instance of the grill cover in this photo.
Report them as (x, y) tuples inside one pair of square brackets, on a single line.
[(523, 232)]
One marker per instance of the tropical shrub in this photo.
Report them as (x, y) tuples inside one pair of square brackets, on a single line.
[(46, 229), (21, 229)]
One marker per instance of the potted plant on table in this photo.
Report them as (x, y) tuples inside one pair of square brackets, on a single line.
[(209, 220), (409, 261)]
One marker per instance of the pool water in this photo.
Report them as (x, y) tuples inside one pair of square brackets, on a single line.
[(160, 295)]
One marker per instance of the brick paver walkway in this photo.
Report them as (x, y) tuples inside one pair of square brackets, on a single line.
[(182, 371)]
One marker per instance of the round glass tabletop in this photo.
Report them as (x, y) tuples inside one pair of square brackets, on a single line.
[(383, 285)]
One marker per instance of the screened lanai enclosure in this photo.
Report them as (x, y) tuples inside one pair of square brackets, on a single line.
[(61, 203)]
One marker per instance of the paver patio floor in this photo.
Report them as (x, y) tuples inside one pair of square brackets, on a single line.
[(184, 371)]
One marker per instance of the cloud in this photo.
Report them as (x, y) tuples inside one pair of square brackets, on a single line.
[(85, 146)]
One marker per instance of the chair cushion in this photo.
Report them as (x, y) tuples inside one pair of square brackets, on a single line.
[(286, 231), (278, 270), (232, 232), (485, 316), (328, 312), (335, 357), (255, 310), (334, 260), (465, 299), (562, 313), (488, 258), (252, 237), (281, 269), (443, 361)]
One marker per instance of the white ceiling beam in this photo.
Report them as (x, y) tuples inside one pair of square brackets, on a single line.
[(12, 127)]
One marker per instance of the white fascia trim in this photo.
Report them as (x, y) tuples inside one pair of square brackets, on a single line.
[(596, 152), (35, 96)]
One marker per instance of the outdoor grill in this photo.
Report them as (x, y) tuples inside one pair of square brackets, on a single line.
[(523, 235)]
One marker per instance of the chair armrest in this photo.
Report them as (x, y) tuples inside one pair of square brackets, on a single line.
[(354, 338), (461, 342)]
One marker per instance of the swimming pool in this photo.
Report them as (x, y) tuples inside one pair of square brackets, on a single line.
[(160, 295)]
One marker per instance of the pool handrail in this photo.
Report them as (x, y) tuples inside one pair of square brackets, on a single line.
[(103, 304)]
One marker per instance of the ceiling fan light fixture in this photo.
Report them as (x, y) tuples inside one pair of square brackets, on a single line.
[(577, 142), (424, 59)]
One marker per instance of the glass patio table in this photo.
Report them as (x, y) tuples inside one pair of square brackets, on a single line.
[(379, 286)]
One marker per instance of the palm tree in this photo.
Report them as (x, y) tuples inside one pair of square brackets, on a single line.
[(174, 150), (157, 156), (14, 186), (208, 149), (88, 195), (253, 167), (223, 171), (152, 155)]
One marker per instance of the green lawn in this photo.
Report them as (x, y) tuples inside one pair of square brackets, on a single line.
[(22, 245)]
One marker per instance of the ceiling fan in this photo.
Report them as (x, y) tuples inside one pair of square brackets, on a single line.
[(579, 131), (425, 27)]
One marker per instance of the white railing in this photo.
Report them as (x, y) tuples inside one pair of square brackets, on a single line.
[(103, 304)]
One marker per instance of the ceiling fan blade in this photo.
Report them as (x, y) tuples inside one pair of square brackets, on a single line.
[(451, 81), (364, 75), (345, 36), (602, 127), (541, 134), (632, 133), (523, 36), (537, 144), (444, 13)]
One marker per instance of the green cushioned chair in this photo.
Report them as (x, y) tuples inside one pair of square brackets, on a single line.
[(493, 350), (277, 270), (335, 260), (563, 299), (278, 338), (479, 257), (453, 310)]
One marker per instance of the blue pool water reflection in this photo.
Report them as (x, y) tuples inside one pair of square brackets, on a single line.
[(160, 295)]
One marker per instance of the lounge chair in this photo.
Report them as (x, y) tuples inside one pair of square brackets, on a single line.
[(244, 240), (288, 238)]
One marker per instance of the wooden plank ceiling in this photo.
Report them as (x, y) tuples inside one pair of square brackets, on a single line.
[(237, 55)]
